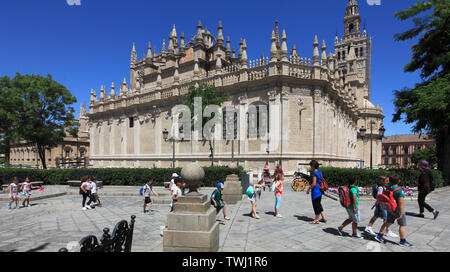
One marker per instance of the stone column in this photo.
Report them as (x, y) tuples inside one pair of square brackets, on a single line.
[(192, 226), (232, 193)]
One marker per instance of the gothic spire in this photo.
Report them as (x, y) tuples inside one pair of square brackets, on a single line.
[(220, 38), (284, 50)]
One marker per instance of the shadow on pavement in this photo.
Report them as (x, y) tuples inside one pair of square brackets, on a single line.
[(41, 247), (304, 218)]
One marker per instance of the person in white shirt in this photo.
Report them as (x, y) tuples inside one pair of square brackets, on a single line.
[(94, 194), (14, 193), (147, 191), (26, 188)]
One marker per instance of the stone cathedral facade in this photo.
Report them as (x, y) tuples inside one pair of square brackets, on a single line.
[(320, 103)]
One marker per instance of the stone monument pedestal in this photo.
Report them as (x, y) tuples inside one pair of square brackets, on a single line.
[(232, 193), (192, 226)]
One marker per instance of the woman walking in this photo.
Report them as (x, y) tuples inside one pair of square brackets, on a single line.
[(424, 186), (316, 194)]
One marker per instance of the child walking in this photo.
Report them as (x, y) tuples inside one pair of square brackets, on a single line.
[(278, 194), (353, 210), (398, 214), (218, 202), (26, 188), (176, 193), (146, 192), (379, 211), (14, 193)]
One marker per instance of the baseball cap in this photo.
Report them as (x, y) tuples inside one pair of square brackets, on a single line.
[(220, 185)]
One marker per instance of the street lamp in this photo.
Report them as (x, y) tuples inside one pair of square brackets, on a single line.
[(165, 137), (363, 131)]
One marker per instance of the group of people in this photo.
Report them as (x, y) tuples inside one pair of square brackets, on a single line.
[(25, 188), (391, 183), (88, 189)]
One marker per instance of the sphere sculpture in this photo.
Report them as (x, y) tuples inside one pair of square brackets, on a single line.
[(193, 175)]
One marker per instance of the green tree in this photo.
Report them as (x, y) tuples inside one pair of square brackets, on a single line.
[(427, 105), (46, 116), (428, 154), (9, 116), (210, 95)]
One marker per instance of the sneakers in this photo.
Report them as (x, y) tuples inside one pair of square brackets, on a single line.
[(357, 235), (339, 229), (161, 230), (379, 238), (88, 207), (278, 215), (9, 206), (370, 231), (84, 208), (405, 244), (391, 234), (227, 218)]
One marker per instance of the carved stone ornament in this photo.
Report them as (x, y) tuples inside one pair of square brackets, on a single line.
[(301, 104), (272, 95)]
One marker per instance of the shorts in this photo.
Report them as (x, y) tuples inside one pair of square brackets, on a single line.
[(352, 216), (15, 196), (252, 198), (26, 193), (277, 202), (147, 200), (380, 212), (392, 216)]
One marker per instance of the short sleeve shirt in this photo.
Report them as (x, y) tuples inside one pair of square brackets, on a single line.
[(217, 196), (354, 193), (315, 193), (398, 193), (279, 186), (147, 190)]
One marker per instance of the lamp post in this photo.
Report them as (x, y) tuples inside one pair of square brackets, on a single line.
[(165, 137), (363, 131)]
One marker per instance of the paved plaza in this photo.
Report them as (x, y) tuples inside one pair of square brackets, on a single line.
[(56, 219)]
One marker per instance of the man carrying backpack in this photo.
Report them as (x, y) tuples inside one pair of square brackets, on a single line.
[(395, 214)]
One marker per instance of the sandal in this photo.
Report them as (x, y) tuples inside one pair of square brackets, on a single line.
[(323, 220), (314, 222)]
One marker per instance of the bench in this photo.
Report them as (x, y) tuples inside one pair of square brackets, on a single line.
[(77, 183)]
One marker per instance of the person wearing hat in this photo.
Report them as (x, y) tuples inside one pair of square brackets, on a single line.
[(172, 184), (425, 186), (218, 202)]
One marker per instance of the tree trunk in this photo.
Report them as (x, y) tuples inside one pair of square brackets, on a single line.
[(41, 152), (443, 154)]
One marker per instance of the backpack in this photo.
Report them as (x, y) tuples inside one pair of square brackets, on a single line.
[(375, 191), (250, 191), (387, 200), (141, 191), (323, 185), (344, 196)]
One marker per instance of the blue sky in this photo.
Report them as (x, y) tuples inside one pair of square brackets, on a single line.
[(89, 45)]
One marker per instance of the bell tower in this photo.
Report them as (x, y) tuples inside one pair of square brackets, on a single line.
[(353, 40)]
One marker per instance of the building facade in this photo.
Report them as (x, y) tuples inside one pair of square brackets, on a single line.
[(398, 149), (315, 107), (69, 153)]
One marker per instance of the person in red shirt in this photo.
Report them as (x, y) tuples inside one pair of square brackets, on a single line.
[(278, 193)]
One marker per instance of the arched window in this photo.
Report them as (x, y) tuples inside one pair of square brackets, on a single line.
[(351, 28)]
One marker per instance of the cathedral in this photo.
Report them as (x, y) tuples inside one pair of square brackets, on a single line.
[(315, 108)]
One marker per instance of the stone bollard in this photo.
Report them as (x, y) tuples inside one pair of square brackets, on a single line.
[(192, 226), (232, 193)]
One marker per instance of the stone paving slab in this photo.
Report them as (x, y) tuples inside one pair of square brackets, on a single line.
[(50, 223)]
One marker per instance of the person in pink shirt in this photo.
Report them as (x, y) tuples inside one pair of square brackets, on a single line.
[(278, 188)]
